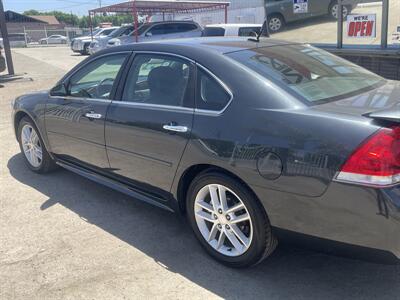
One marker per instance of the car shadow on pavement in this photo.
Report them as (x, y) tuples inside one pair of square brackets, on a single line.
[(289, 273)]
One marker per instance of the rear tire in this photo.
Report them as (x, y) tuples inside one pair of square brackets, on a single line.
[(215, 228), (33, 149)]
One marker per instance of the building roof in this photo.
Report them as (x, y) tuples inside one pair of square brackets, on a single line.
[(50, 20), (162, 6), (14, 17)]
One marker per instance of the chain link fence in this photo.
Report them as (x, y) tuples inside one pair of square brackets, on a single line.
[(45, 37)]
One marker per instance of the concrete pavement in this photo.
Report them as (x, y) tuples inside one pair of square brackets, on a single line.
[(65, 237)]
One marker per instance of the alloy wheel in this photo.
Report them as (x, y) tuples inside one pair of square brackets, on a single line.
[(335, 11), (31, 146), (275, 24), (223, 220)]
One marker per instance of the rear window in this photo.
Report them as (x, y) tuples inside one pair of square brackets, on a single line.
[(249, 31), (309, 73), (214, 31)]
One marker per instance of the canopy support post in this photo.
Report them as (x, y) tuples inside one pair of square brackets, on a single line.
[(226, 14), (340, 25), (135, 20), (91, 25)]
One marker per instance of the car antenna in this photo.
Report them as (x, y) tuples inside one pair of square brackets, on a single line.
[(263, 32)]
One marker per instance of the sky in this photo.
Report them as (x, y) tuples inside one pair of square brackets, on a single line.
[(79, 7)]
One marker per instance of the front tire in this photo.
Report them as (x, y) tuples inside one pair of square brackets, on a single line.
[(32, 147), (275, 23), (229, 221), (334, 11)]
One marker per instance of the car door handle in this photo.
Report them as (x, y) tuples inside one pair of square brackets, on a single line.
[(175, 128), (92, 115)]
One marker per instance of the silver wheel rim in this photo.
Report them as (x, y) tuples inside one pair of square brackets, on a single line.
[(335, 10), (275, 24), (223, 220), (31, 145)]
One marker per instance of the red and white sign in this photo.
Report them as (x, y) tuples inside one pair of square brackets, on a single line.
[(361, 26)]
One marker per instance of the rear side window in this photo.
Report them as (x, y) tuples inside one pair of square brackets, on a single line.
[(210, 95), (214, 31), (249, 31), (186, 27)]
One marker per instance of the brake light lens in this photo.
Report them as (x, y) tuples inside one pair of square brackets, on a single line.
[(376, 162)]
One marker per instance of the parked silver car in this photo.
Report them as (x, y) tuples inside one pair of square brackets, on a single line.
[(81, 44), (159, 31), (101, 42), (54, 39)]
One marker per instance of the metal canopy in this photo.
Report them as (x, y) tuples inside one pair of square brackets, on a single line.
[(150, 7), (153, 7)]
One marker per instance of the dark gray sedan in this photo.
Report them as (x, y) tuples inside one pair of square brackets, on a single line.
[(251, 140)]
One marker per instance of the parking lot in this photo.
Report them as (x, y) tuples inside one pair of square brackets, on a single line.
[(63, 236)]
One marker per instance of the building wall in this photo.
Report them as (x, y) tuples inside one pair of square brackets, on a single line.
[(239, 11)]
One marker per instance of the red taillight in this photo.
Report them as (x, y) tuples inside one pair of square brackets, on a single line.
[(376, 161)]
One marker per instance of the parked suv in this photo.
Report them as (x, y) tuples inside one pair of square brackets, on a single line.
[(160, 30), (281, 12), (81, 44)]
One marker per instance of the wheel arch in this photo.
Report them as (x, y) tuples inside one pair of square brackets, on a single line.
[(277, 14), (17, 119), (19, 115), (193, 171)]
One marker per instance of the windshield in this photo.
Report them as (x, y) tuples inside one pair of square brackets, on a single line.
[(97, 31), (311, 74), (141, 29), (117, 32)]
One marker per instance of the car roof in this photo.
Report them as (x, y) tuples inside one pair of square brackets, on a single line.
[(210, 45), (232, 25)]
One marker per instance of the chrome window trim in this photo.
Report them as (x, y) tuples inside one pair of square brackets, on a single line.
[(82, 98), (154, 106), (224, 86)]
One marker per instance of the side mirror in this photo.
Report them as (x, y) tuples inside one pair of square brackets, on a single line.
[(149, 34), (59, 90)]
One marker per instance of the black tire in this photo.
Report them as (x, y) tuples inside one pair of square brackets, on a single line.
[(347, 11), (85, 50), (263, 242), (47, 164), (274, 21)]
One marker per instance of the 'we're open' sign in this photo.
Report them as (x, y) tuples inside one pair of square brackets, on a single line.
[(361, 26)]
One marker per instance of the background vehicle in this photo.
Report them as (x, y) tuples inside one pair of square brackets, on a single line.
[(316, 151), (232, 29), (396, 36), (54, 39), (160, 31), (280, 12), (81, 44), (17, 40), (2, 61), (101, 42)]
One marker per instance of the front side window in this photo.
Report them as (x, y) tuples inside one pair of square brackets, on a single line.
[(96, 79), (159, 79), (313, 75), (210, 95)]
